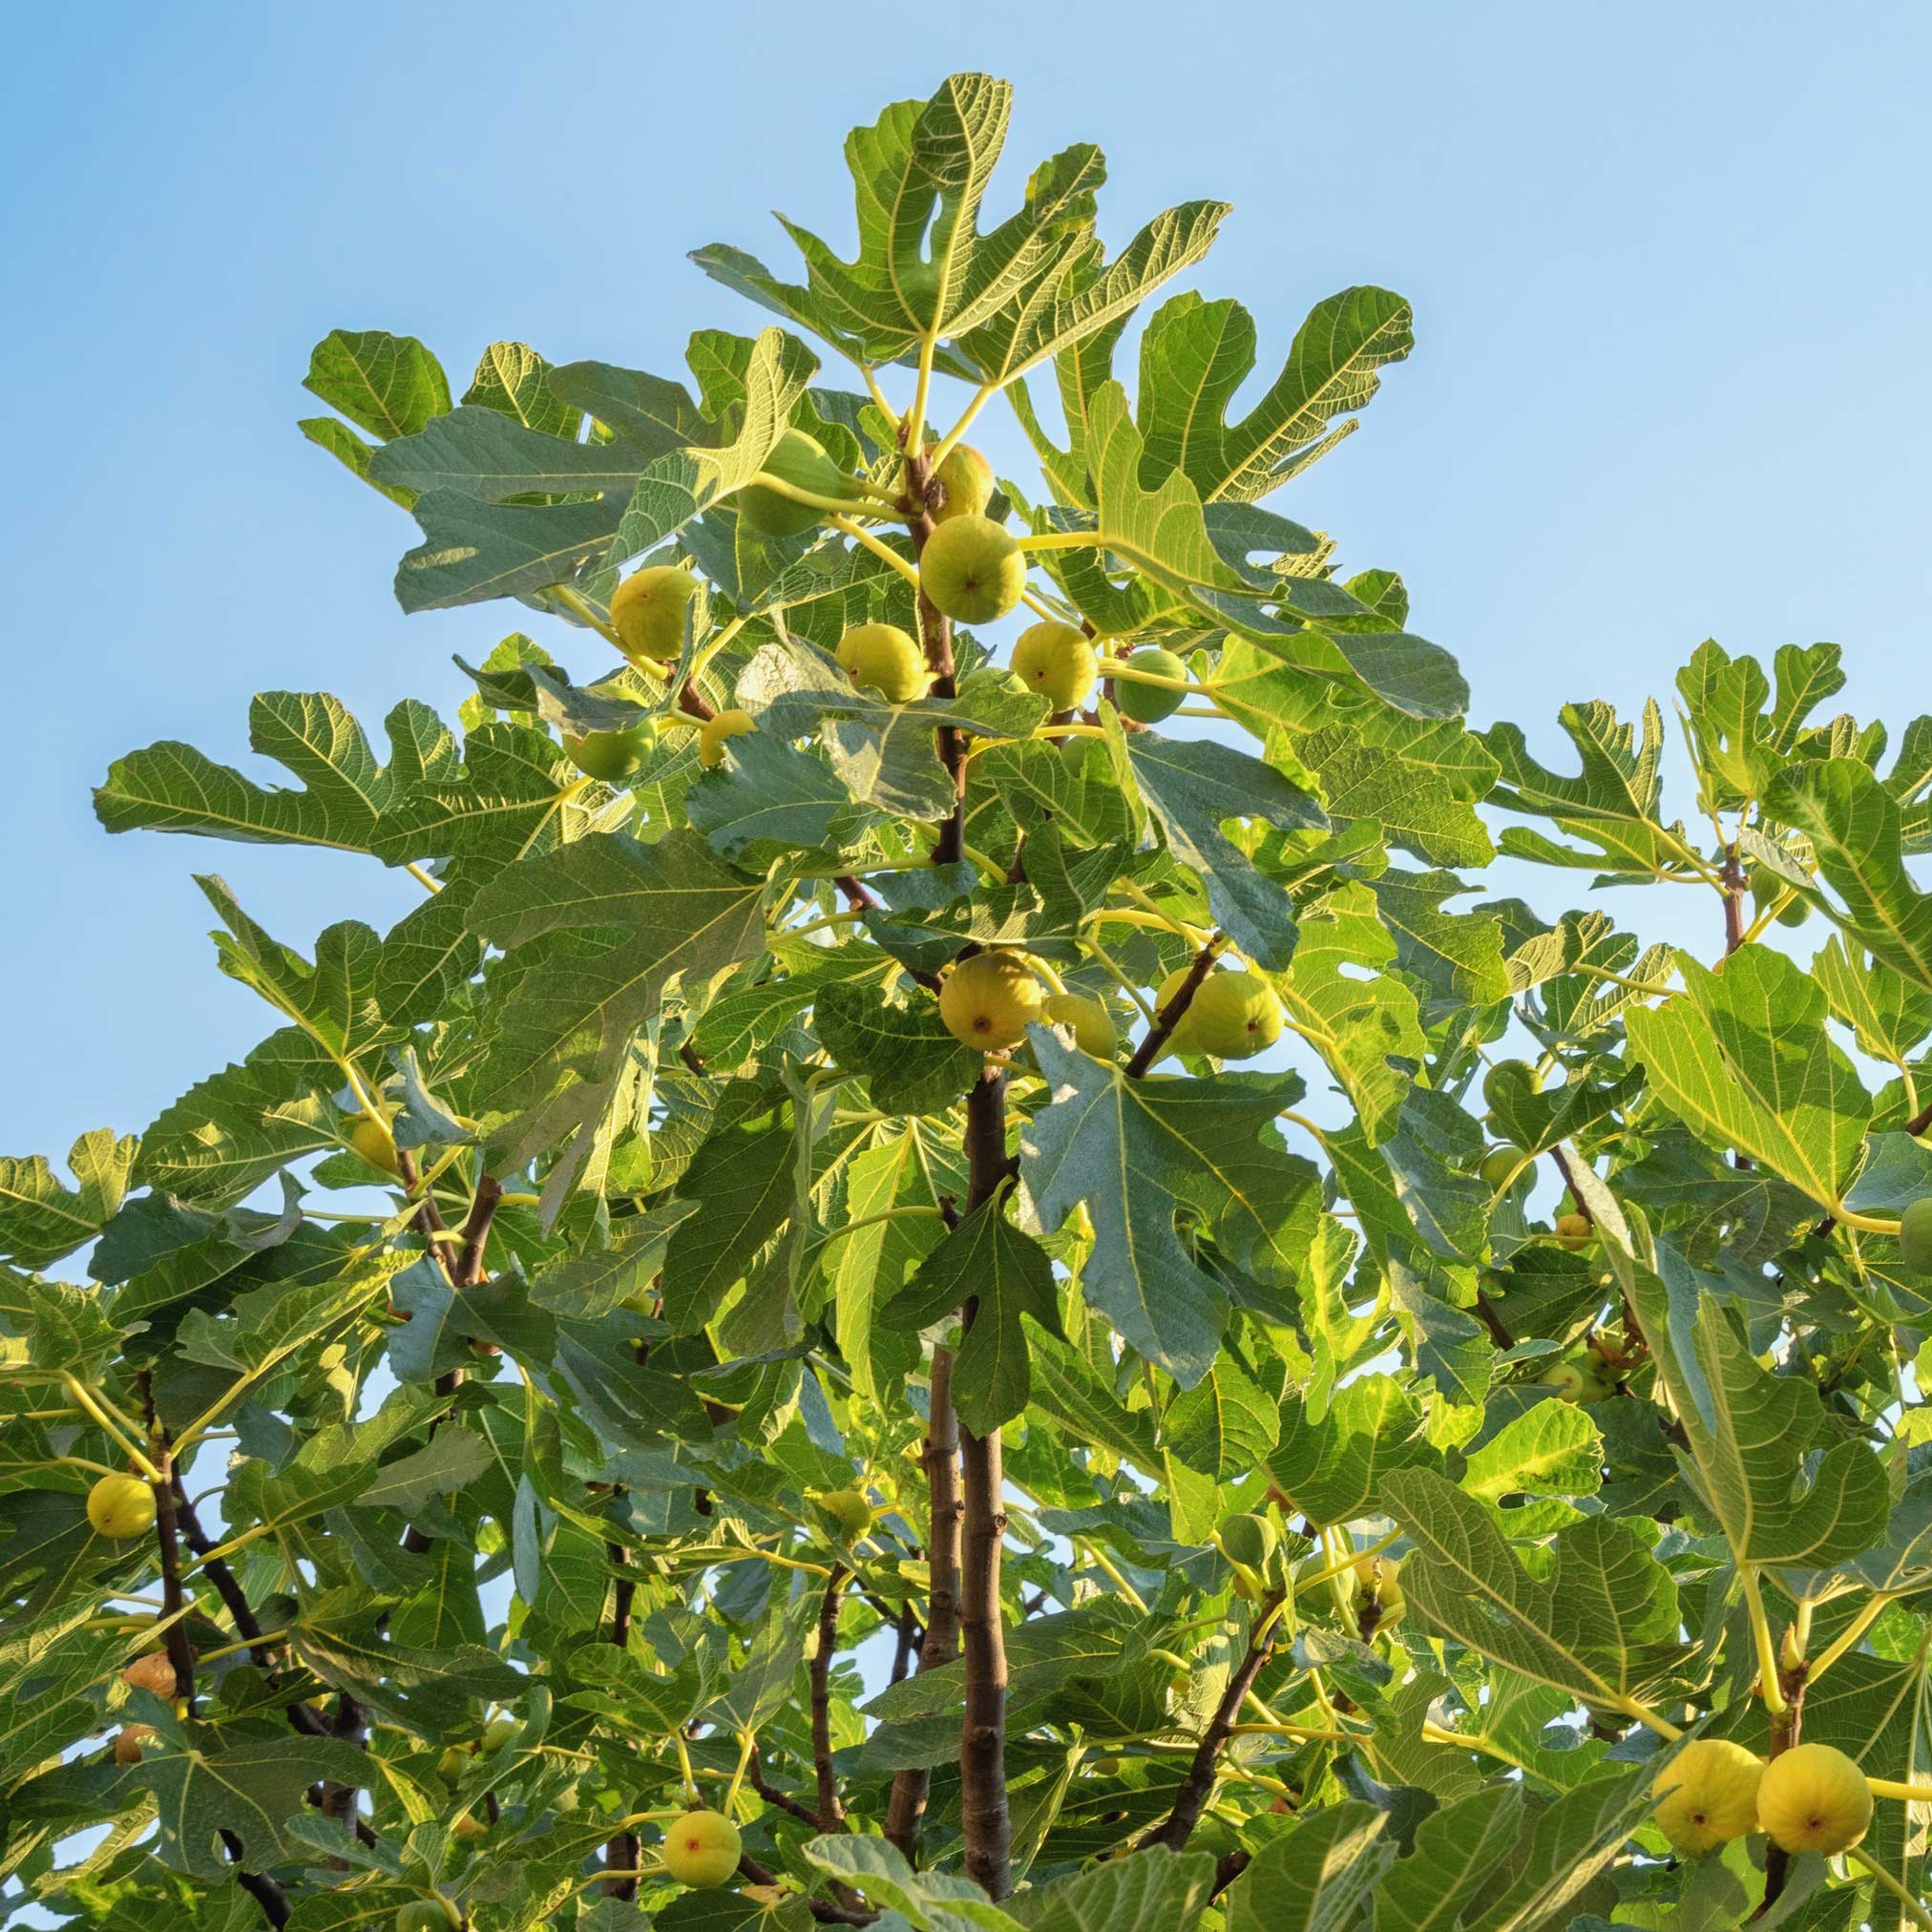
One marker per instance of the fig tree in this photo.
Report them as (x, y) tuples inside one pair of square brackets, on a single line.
[(1058, 662), (1915, 1237), (1150, 703), (1092, 1025), (700, 1849), (886, 658), (968, 480), (989, 999), (1813, 1798), (1708, 1795), (612, 755), (972, 570), (801, 461), (120, 1508), (713, 733), (647, 611)]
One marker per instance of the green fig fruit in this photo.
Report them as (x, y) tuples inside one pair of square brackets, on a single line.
[(1232, 1015), (989, 999), (1148, 703), (648, 612), (713, 733), (967, 477), (886, 658), (612, 756), (801, 461), (1915, 1237), (972, 570), (1058, 662), (1092, 1025)]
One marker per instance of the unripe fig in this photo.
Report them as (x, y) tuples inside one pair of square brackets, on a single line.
[(498, 1733), (850, 1510), (1499, 1165), (989, 1000), (972, 570), (1574, 1231), (1915, 1237), (1105, 1767), (372, 1143), (1092, 1025), (1058, 662), (128, 1742), (1246, 1539), (425, 1915), (452, 1763), (612, 755), (801, 461), (1709, 1796), (713, 733), (1380, 1577), (886, 658), (469, 1826), (121, 1506), (1150, 703), (647, 611), (1506, 1078), (968, 480), (1232, 1015), (1575, 1382), (150, 1673), (1813, 1798), (700, 1849)]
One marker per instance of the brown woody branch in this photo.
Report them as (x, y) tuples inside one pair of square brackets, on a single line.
[(621, 1853), (985, 1818), (264, 1890), (935, 631), (831, 1813), (821, 1909), (1170, 1015), (939, 1458), (755, 1777), (1198, 1785)]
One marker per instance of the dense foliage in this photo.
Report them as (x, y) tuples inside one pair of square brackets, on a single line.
[(942, 1302)]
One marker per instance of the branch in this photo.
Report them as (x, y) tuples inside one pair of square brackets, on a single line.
[(174, 1599), (265, 1891), (831, 1813), (1170, 1015), (939, 1458), (469, 1269), (755, 1777), (985, 1819), (827, 1914), (1198, 1785)]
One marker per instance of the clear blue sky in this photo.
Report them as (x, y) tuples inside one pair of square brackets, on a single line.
[(1669, 265)]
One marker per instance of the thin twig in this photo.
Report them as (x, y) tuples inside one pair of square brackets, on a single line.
[(1171, 1015)]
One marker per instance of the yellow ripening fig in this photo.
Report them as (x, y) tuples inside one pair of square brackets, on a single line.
[(1577, 1382), (1092, 1025), (989, 999), (612, 755), (121, 1506), (1574, 1231), (801, 461), (152, 1672), (1915, 1237), (972, 570), (1058, 661), (647, 611), (713, 733), (129, 1740), (886, 658), (848, 1509), (700, 1849), (967, 477), (373, 1143), (1380, 1576), (1708, 1795), (1232, 1015), (1148, 703), (1813, 1798)]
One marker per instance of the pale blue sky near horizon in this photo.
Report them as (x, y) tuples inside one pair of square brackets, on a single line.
[(1669, 267)]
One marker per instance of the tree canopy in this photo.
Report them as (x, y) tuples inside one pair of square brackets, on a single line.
[(953, 1276)]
